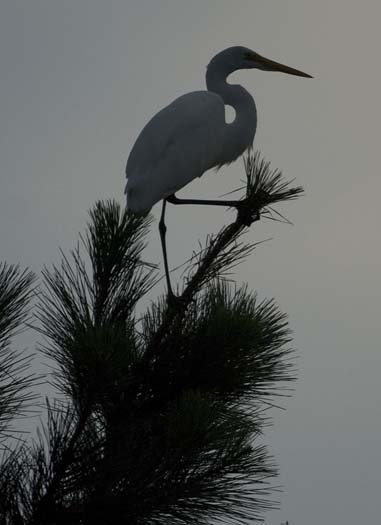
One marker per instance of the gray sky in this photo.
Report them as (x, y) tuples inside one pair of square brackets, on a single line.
[(80, 78)]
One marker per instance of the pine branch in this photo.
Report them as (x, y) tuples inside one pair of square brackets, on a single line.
[(186, 464), (13, 467), (87, 315), (227, 343), (115, 244), (45, 482), (264, 187), (15, 293), (58, 453)]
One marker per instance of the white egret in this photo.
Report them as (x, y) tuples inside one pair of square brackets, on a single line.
[(190, 136)]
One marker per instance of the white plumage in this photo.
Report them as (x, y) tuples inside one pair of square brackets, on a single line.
[(179, 143), (190, 136)]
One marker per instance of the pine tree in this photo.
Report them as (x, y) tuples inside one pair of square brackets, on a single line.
[(160, 412)]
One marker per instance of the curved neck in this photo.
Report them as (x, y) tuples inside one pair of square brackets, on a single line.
[(240, 133)]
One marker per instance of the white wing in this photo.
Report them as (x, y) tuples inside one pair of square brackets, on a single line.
[(177, 145)]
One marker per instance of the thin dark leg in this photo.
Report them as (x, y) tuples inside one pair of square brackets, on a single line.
[(228, 204), (163, 231), (247, 217)]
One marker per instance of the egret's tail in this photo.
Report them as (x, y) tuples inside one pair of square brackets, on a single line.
[(134, 204)]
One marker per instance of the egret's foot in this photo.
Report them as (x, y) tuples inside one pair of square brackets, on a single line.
[(246, 214), (176, 302)]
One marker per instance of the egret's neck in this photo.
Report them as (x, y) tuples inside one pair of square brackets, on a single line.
[(240, 133)]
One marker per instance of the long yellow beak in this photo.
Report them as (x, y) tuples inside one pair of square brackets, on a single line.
[(270, 65)]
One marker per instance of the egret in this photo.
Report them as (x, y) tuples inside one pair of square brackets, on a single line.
[(191, 135)]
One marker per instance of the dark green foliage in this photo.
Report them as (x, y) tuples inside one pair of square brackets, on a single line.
[(15, 292), (226, 343), (163, 409), (88, 316)]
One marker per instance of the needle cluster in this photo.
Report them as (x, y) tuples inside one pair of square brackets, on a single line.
[(15, 383)]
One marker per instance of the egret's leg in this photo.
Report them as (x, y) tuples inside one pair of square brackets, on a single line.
[(228, 204), (163, 231), (247, 216)]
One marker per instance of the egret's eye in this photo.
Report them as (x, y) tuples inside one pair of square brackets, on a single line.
[(249, 56)]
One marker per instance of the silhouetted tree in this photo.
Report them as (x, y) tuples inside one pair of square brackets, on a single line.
[(161, 411)]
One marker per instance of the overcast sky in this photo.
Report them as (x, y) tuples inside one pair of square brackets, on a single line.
[(79, 80)]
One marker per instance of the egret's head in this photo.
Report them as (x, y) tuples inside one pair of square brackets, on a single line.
[(239, 57)]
